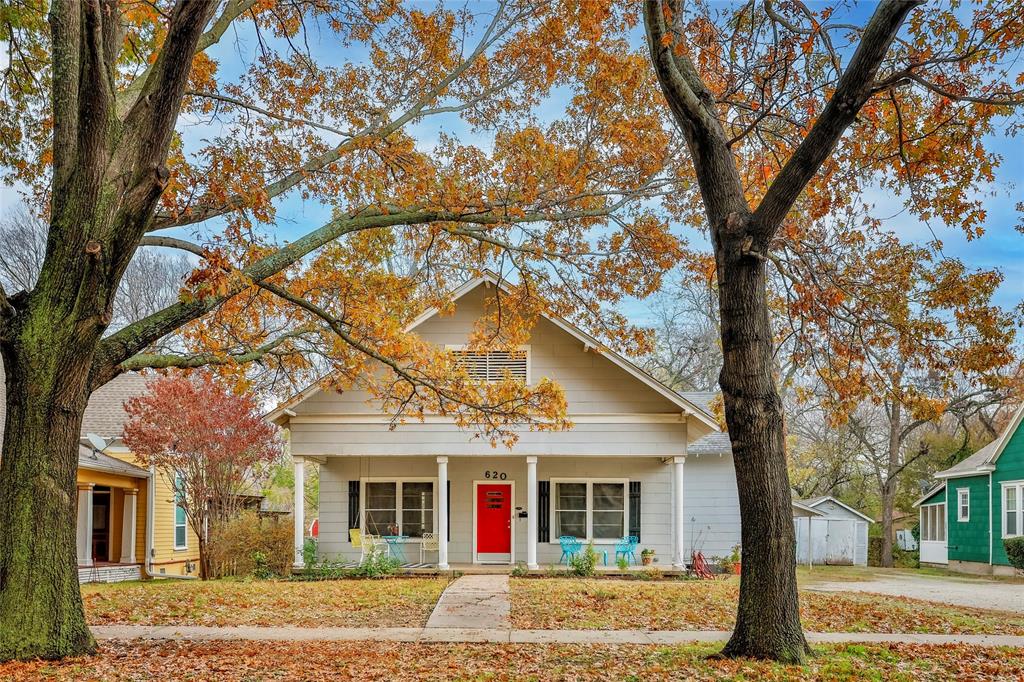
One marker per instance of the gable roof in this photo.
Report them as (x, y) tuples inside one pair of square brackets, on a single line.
[(983, 461), (104, 414), (931, 491), (801, 509), (94, 460), (814, 502), (687, 406)]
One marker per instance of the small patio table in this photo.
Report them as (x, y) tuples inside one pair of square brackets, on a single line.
[(395, 546)]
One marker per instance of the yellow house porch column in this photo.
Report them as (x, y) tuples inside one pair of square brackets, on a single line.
[(128, 526), (84, 534)]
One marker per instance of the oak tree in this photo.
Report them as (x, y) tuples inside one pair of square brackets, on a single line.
[(551, 179), (788, 114)]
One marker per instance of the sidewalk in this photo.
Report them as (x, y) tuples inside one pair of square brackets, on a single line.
[(473, 602), (506, 635)]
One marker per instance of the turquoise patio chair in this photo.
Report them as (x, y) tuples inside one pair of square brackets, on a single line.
[(627, 547), (570, 545)]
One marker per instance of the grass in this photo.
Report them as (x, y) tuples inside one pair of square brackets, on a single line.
[(241, 660), (395, 602), (711, 605)]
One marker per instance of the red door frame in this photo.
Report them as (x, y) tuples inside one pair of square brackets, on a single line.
[(511, 485)]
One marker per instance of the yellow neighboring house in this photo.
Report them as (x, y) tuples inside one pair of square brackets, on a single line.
[(128, 524)]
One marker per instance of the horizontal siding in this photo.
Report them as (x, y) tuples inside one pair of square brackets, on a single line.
[(710, 501), (1009, 467), (592, 383)]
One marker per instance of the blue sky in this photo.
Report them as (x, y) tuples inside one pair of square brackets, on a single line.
[(1002, 246)]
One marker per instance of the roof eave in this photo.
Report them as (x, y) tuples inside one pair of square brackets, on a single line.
[(977, 471)]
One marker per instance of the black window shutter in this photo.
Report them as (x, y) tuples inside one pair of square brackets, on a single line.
[(544, 511), (353, 506), (448, 499), (634, 508)]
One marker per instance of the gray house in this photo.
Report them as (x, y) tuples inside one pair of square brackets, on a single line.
[(623, 469)]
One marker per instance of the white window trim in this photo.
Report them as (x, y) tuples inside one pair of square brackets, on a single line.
[(945, 527), (174, 491), (1019, 511), (398, 480), (553, 503), (963, 499), (523, 347)]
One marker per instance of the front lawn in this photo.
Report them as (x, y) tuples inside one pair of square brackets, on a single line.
[(605, 604), (393, 602), (242, 660)]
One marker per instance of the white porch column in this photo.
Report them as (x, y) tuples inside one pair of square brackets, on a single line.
[(128, 526), (84, 535), (299, 509), (442, 513), (678, 514), (532, 513)]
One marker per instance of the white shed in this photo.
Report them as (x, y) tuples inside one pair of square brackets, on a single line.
[(838, 537)]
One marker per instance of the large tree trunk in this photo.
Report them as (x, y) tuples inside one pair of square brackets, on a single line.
[(40, 604), (768, 618)]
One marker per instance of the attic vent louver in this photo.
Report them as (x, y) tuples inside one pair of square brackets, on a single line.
[(492, 365)]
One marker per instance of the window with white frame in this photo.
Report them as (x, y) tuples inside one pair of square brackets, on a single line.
[(933, 522), (1013, 509), (180, 519), (399, 507), (963, 504), (590, 509), (492, 365)]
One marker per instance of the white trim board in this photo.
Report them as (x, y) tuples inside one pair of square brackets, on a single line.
[(373, 418)]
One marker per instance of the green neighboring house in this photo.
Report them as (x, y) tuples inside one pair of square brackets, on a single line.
[(975, 505)]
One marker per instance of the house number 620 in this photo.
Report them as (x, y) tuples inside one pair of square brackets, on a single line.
[(501, 476)]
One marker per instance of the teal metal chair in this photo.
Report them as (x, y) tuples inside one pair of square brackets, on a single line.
[(570, 545), (627, 547)]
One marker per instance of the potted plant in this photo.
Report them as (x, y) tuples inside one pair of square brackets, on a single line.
[(647, 557), (735, 559)]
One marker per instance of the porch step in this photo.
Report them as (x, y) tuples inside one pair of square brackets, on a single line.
[(473, 601)]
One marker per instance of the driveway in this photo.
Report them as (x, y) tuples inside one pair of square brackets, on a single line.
[(976, 592)]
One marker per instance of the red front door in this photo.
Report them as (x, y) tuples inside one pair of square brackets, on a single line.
[(493, 519)]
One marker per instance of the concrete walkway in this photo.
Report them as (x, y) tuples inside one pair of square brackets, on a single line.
[(473, 602), (506, 635)]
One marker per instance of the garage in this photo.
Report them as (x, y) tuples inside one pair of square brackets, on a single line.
[(835, 535)]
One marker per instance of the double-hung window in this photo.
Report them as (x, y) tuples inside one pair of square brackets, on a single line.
[(1013, 509), (963, 504), (399, 507), (180, 520), (590, 509)]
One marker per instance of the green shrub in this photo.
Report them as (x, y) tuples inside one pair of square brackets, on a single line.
[(583, 563), (377, 564), (1015, 552), (234, 547), (309, 550), (622, 562), (260, 568), (519, 570)]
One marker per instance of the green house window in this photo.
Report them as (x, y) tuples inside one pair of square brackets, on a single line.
[(1013, 509), (963, 504)]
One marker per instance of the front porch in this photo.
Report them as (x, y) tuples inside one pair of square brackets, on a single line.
[(110, 521), (494, 513)]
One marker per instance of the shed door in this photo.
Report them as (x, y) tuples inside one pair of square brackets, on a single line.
[(839, 542)]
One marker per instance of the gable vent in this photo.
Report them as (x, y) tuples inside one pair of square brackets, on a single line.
[(491, 365)]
